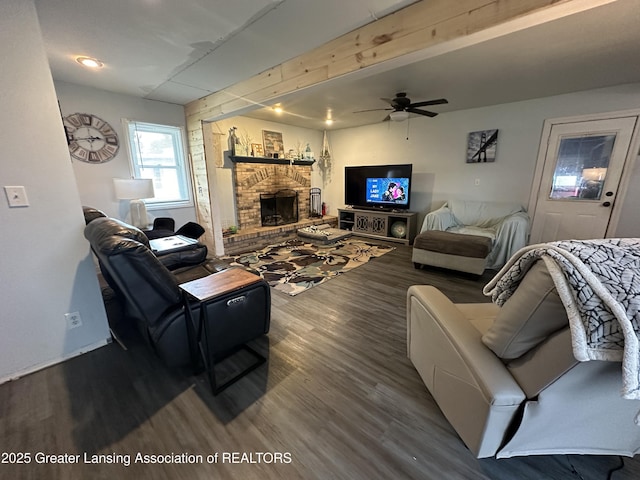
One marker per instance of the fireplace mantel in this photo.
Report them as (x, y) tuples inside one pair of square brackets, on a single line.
[(274, 161)]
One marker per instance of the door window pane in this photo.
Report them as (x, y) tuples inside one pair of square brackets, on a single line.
[(581, 167)]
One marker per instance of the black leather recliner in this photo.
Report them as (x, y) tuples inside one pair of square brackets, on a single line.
[(165, 227), (191, 230), (162, 227), (149, 291), (172, 260)]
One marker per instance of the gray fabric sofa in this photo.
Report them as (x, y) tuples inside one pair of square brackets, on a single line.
[(504, 226), (506, 378)]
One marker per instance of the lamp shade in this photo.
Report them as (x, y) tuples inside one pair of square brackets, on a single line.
[(398, 115), (133, 188)]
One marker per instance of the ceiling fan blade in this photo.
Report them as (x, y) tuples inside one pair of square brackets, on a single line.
[(373, 110), (438, 101), (422, 112), (387, 118)]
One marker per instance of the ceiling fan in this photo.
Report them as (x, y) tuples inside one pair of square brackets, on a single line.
[(401, 107)]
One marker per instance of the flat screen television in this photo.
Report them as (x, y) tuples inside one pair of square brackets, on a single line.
[(386, 187)]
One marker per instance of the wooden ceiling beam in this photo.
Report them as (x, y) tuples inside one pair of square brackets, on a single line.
[(417, 27)]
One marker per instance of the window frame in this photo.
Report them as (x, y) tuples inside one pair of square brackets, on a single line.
[(183, 167)]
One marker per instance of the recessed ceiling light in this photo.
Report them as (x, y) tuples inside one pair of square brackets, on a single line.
[(277, 109), (329, 117), (89, 62)]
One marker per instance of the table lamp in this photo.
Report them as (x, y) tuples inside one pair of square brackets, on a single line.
[(135, 189)]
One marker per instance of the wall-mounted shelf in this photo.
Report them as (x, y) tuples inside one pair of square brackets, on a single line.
[(276, 161)]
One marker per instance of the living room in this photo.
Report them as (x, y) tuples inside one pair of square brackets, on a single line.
[(47, 269)]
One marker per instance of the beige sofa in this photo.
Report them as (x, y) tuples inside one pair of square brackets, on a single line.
[(506, 379), (478, 235)]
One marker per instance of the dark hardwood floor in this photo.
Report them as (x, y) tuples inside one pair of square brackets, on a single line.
[(338, 399)]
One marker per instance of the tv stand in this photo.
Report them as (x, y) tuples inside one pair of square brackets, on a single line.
[(398, 226)]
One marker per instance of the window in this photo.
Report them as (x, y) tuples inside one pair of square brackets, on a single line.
[(157, 152)]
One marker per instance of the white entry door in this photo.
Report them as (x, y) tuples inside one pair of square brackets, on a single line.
[(580, 178)]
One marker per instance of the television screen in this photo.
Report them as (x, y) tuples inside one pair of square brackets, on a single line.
[(370, 186), (392, 191)]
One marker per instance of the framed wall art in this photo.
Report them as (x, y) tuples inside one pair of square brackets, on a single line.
[(272, 143), (257, 149), (481, 146)]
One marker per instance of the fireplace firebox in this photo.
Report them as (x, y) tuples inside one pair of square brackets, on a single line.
[(280, 208)]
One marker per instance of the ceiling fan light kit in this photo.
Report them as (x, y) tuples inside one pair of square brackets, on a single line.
[(399, 115)]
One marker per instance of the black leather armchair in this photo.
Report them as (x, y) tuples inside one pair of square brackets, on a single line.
[(90, 214), (162, 227), (149, 291), (191, 230), (172, 260)]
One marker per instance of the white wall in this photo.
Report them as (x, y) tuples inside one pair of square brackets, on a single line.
[(437, 149), (45, 267), (291, 136), (95, 181), (628, 225)]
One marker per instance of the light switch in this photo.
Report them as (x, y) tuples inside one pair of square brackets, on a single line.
[(17, 196)]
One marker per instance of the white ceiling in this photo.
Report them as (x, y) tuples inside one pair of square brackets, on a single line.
[(180, 51)]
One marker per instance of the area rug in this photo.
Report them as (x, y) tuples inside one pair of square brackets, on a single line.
[(295, 265)]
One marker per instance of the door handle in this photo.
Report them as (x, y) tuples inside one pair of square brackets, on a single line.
[(606, 204)]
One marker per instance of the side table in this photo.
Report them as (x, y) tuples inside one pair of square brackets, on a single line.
[(234, 307)]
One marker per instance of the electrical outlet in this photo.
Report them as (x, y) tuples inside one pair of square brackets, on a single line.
[(73, 320), (17, 196), (477, 182)]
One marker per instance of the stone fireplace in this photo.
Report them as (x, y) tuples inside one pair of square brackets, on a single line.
[(253, 180)]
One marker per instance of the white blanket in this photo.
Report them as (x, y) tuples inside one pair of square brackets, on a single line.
[(599, 284), (506, 224)]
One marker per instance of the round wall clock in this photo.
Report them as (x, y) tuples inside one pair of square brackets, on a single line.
[(90, 138)]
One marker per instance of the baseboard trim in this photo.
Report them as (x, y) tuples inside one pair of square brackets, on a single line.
[(42, 366)]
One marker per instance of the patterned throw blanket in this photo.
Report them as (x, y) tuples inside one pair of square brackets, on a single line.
[(599, 284)]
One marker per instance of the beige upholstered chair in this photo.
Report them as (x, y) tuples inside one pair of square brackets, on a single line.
[(507, 381)]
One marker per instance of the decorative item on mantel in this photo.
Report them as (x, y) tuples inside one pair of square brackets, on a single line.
[(273, 146), (245, 143), (233, 140), (299, 150), (308, 154), (257, 150)]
